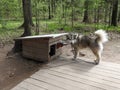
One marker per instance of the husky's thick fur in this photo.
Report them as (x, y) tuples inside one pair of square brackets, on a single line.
[(95, 44)]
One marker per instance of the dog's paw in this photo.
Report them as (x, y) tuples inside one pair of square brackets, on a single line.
[(96, 62), (74, 59), (81, 54)]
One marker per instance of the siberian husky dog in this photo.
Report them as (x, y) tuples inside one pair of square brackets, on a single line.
[(95, 44)]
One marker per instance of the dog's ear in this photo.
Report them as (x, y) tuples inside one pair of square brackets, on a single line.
[(68, 37), (74, 36), (78, 36)]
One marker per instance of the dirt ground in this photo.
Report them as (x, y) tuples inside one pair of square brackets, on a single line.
[(14, 69)]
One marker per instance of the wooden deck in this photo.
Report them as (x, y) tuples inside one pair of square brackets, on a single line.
[(73, 75)]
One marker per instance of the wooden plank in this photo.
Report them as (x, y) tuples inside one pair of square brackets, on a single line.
[(57, 83), (34, 57), (32, 52), (30, 86), (43, 84), (41, 55), (35, 44), (97, 80), (85, 68), (59, 62), (40, 40), (111, 64), (43, 36), (90, 74), (33, 48), (82, 80), (68, 81), (101, 66), (74, 75), (40, 52), (93, 68), (18, 88), (36, 52)]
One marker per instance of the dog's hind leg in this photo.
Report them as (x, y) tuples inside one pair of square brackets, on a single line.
[(97, 53)]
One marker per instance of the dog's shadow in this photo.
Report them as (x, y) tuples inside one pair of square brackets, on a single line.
[(82, 65)]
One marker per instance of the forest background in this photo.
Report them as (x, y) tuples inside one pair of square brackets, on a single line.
[(33, 17)]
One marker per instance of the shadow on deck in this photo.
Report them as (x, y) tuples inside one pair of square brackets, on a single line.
[(65, 74)]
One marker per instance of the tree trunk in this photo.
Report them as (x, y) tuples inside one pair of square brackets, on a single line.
[(63, 10), (119, 16), (49, 9), (110, 13), (27, 24), (27, 4), (27, 20), (106, 12), (114, 13), (98, 14), (72, 15), (37, 20), (52, 8), (65, 19), (95, 15), (86, 17)]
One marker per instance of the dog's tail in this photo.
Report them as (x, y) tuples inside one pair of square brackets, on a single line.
[(102, 36)]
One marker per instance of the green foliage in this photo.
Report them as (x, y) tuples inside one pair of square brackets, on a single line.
[(66, 15), (10, 9)]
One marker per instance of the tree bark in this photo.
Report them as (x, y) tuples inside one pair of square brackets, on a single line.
[(72, 15), (114, 13), (95, 15), (27, 25), (98, 14), (27, 15), (86, 17), (49, 9), (52, 8), (119, 16), (110, 13), (106, 12), (27, 4)]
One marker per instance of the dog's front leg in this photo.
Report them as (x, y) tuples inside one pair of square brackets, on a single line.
[(75, 54)]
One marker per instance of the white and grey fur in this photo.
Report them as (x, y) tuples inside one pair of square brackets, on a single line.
[(95, 44)]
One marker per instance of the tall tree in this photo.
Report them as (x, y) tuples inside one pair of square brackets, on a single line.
[(86, 16), (27, 12), (27, 17), (49, 9), (114, 13), (27, 25), (119, 16)]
